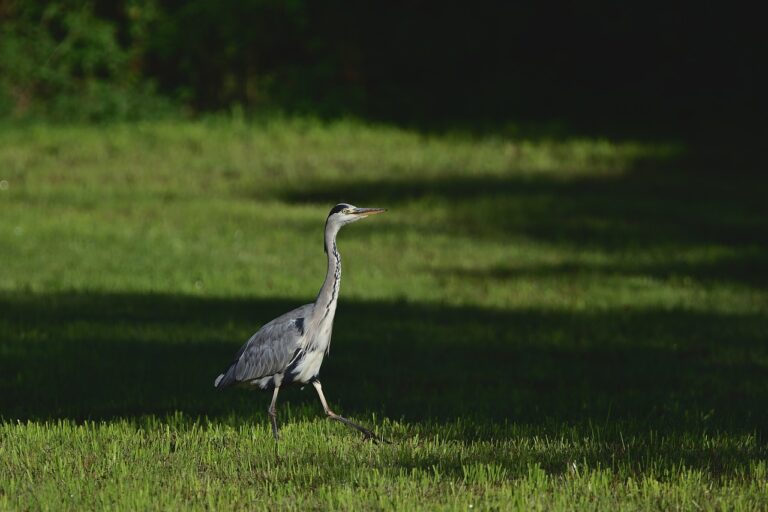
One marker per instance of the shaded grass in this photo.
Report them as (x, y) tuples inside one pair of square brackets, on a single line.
[(552, 324), (96, 356)]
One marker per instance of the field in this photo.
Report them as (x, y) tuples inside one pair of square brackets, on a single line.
[(547, 324)]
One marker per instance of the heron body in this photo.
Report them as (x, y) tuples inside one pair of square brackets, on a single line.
[(290, 348)]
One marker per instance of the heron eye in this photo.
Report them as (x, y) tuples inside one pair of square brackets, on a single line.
[(346, 210)]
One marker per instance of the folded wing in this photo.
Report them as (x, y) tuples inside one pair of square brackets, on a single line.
[(269, 351)]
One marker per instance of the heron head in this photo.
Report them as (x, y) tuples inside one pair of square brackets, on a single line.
[(344, 213)]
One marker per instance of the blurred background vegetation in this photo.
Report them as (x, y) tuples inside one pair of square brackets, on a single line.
[(645, 69)]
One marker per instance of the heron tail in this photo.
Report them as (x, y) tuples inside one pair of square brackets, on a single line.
[(226, 379)]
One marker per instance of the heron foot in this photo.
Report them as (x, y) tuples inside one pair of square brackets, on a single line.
[(368, 435)]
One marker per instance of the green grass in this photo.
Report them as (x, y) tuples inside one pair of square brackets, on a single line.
[(536, 324)]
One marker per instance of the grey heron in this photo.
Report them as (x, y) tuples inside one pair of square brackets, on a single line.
[(290, 348)]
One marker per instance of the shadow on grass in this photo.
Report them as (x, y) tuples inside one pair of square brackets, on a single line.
[(641, 210), (686, 218), (746, 268), (91, 356)]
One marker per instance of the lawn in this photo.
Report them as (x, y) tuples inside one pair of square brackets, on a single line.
[(548, 324)]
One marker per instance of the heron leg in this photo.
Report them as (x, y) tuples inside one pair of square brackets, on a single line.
[(273, 413), (367, 434)]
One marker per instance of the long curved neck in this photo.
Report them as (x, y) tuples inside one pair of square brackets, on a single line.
[(325, 304)]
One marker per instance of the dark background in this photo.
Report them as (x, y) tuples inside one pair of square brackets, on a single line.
[(641, 69)]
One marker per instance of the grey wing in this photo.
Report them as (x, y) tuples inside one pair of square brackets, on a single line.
[(269, 351)]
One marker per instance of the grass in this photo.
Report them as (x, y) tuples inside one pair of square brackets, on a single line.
[(536, 324)]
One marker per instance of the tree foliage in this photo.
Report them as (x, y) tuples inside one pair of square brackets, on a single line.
[(61, 60), (653, 64)]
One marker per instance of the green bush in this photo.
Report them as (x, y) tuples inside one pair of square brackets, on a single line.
[(63, 62)]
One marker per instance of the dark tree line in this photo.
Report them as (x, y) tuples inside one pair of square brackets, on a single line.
[(590, 64)]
